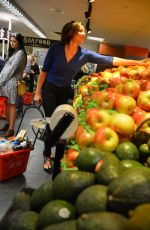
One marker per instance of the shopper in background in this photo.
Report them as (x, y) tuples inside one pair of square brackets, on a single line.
[(27, 69), (62, 62), (13, 70), (33, 76)]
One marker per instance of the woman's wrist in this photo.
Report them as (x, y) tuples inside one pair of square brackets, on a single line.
[(38, 92)]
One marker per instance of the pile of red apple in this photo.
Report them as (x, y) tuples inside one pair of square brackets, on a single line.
[(110, 115)]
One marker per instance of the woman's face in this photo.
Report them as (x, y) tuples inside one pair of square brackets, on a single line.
[(79, 37), (14, 43)]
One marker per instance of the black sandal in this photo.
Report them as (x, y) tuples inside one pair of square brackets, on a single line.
[(47, 165)]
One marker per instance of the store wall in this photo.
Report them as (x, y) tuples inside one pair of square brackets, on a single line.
[(92, 45)]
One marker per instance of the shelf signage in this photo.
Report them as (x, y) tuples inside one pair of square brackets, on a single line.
[(38, 42)]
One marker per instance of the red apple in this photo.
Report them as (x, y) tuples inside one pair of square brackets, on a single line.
[(97, 118), (95, 74), (92, 87), (104, 99), (125, 104), (143, 100), (123, 71), (138, 115), (145, 74), (113, 82), (145, 85), (106, 139), (131, 88), (134, 74), (72, 154), (83, 137), (122, 123)]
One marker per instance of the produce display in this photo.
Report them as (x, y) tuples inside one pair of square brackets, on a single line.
[(105, 179), (113, 107)]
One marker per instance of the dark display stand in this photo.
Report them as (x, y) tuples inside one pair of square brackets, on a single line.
[(53, 138)]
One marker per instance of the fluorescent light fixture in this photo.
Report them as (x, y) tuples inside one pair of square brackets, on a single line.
[(95, 39), (22, 18)]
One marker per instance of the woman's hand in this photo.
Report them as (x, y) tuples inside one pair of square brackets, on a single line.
[(38, 98)]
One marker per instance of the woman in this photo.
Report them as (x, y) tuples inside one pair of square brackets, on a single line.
[(35, 70), (62, 62), (13, 70)]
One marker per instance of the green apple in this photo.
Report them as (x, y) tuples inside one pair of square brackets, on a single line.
[(122, 123), (125, 104), (106, 139), (143, 100)]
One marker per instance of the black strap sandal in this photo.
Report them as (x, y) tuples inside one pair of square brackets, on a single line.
[(9, 133), (47, 165)]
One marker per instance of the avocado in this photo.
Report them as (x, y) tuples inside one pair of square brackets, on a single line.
[(110, 169), (66, 225), (130, 164), (140, 217), (101, 221), (41, 196), (8, 222), (68, 184), (21, 200), (28, 220), (56, 211), (92, 199), (130, 189), (88, 158)]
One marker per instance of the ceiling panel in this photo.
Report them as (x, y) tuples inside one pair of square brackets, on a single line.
[(119, 22)]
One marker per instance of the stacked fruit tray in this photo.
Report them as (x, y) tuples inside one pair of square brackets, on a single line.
[(114, 114)]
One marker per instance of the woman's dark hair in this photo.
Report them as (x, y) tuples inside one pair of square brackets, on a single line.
[(69, 30), (20, 40)]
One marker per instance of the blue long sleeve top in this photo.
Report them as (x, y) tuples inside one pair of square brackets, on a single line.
[(60, 72)]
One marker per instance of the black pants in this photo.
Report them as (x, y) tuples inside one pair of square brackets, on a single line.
[(30, 83), (52, 97)]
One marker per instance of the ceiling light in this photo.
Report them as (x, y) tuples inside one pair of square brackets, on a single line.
[(57, 10), (13, 9), (95, 39)]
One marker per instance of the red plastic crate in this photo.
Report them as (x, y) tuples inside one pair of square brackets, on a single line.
[(13, 163), (3, 101), (27, 98)]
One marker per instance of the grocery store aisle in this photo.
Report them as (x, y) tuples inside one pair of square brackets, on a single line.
[(34, 175)]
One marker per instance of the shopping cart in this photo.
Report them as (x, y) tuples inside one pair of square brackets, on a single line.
[(37, 125), (52, 138)]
